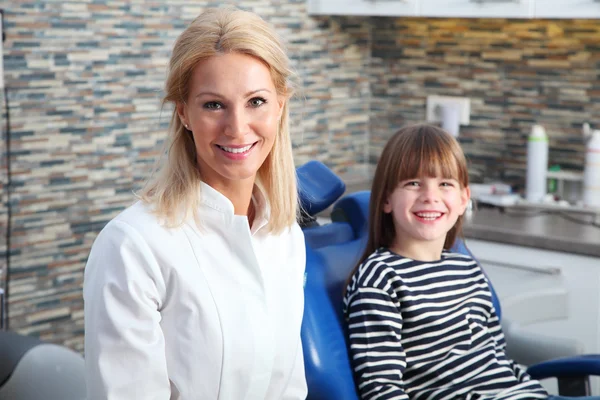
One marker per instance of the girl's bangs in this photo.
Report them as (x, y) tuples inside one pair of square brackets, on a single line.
[(429, 160)]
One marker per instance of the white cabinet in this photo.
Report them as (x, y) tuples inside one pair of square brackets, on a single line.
[(549, 293), (477, 8), (459, 8), (363, 7), (567, 9)]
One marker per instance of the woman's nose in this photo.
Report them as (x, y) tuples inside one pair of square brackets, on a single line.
[(236, 123)]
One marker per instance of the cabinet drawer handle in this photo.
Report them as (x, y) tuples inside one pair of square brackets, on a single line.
[(497, 1), (540, 270)]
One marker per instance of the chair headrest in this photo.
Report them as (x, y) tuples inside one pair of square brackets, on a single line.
[(318, 187), (354, 209)]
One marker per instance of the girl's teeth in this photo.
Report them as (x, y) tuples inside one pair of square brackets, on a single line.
[(236, 150), (429, 216)]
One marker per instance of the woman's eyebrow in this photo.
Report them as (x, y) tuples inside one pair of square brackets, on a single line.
[(214, 94)]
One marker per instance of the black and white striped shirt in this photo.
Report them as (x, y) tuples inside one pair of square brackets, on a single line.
[(429, 330)]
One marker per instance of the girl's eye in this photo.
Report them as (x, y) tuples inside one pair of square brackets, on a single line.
[(412, 183), (447, 184), (257, 101), (213, 105)]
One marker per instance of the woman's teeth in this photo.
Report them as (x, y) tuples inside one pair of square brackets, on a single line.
[(236, 150)]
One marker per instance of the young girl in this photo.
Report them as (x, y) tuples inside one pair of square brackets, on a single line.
[(421, 323)]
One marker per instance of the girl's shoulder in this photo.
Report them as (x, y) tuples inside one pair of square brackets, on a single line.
[(448, 255), (378, 269), (382, 256)]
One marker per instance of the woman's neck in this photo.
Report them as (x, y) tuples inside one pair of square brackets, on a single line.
[(251, 213)]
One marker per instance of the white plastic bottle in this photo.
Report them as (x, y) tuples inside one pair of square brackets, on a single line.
[(591, 173), (537, 165)]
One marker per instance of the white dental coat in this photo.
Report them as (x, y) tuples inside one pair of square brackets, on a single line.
[(195, 313)]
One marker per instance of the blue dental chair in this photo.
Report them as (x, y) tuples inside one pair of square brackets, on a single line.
[(331, 252)]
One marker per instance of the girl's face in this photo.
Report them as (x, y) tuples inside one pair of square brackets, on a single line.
[(233, 112), (425, 209)]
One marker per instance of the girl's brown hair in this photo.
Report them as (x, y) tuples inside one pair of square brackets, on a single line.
[(414, 151)]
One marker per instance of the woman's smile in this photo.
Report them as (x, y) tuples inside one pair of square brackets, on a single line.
[(237, 152)]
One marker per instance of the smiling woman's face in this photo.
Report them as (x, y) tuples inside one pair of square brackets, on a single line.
[(233, 111)]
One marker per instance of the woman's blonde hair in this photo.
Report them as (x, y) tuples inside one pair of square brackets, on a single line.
[(414, 151), (173, 190)]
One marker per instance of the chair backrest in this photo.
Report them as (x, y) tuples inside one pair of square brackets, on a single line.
[(328, 265), (327, 366), (331, 252)]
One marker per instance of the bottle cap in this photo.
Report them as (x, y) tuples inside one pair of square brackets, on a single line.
[(594, 141), (538, 134)]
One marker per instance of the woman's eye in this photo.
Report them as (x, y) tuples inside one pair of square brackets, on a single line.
[(213, 105), (257, 101)]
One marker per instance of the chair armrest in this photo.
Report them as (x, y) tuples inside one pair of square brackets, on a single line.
[(576, 366), (530, 348)]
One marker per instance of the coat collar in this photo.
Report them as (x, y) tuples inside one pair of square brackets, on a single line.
[(215, 200)]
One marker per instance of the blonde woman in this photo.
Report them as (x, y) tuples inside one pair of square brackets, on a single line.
[(195, 291)]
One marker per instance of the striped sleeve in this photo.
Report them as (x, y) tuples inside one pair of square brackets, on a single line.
[(520, 372), (374, 332)]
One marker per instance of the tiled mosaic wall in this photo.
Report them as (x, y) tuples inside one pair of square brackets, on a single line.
[(84, 88), (516, 73)]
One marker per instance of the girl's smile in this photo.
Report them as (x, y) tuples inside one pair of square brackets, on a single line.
[(428, 216)]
